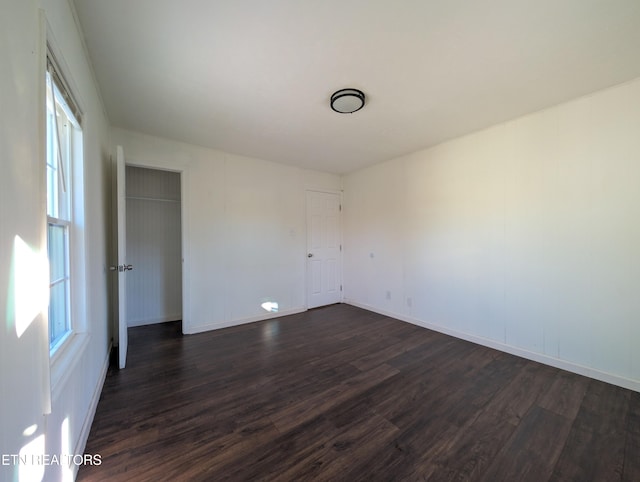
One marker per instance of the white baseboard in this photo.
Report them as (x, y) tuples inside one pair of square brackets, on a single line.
[(191, 330), (153, 321), (91, 412), (513, 350)]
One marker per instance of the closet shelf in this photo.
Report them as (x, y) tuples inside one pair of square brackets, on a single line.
[(139, 198)]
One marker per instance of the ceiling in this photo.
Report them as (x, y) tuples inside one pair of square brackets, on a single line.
[(254, 78)]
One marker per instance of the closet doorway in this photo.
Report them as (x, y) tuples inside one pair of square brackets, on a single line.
[(154, 246)]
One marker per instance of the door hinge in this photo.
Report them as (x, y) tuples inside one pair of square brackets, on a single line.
[(340, 247), (340, 287), (340, 206)]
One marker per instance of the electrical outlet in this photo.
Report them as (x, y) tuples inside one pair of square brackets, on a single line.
[(409, 302), (388, 295)]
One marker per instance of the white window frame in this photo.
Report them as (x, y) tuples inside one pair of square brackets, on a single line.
[(67, 351), (60, 160)]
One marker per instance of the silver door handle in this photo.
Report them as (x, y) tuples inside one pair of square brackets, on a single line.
[(121, 267), (310, 255)]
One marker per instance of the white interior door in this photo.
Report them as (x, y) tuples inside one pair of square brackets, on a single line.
[(324, 267), (122, 266)]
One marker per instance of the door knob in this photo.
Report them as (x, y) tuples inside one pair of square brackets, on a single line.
[(310, 255), (121, 267)]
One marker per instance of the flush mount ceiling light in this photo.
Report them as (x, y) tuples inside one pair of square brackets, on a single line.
[(347, 101)]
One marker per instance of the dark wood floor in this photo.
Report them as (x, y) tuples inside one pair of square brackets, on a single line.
[(340, 393)]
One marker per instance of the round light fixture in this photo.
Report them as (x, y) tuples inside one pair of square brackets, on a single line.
[(347, 101)]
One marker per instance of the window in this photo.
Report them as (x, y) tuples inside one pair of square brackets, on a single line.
[(63, 153)]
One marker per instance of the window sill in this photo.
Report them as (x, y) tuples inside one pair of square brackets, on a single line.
[(65, 360)]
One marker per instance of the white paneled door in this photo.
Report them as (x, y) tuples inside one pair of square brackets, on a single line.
[(324, 238)]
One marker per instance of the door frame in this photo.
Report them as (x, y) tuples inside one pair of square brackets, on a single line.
[(182, 169), (340, 194)]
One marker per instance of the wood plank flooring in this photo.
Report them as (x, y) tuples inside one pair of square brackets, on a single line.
[(340, 393)]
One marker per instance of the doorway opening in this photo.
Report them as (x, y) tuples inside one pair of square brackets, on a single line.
[(153, 246)]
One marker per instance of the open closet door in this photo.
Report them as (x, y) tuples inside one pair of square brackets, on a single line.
[(122, 266)]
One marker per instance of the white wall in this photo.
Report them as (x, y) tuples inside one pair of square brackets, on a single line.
[(24, 359), (244, 225), (524, 236), (154, 286)]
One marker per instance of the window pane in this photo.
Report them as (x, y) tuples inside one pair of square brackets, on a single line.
[(63, 166), (58, 312), (52, 159), (52, 197), (57, 252), (59, 146)]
